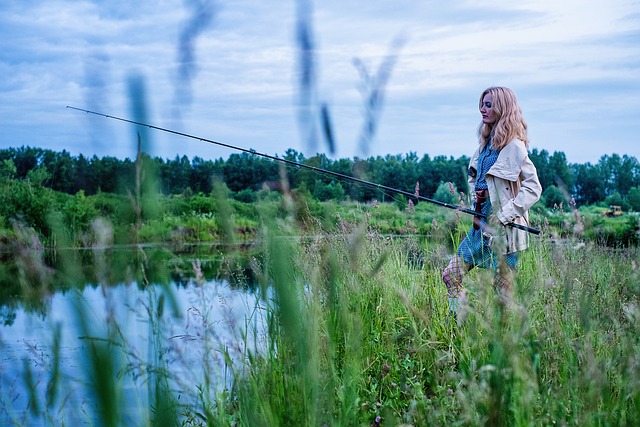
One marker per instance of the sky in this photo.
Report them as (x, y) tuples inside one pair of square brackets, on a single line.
[(231, 71)]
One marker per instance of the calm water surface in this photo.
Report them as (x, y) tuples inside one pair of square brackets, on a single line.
[(184, 327)]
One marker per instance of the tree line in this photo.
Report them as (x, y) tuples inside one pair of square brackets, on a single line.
[(614, 179)]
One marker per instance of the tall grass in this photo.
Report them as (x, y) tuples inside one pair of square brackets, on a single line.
[(352, 328), (358, 337)]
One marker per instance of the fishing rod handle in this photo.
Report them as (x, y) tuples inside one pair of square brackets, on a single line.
[(523, 227), (479, 214)]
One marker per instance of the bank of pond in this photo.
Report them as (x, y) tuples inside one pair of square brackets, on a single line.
[(60, 220)]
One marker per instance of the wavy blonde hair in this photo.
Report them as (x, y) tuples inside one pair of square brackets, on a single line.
[(509, 124)]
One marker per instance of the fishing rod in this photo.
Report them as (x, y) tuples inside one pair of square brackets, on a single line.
[(313, 168)]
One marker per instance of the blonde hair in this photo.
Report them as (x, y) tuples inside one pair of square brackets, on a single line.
[(509, 124)]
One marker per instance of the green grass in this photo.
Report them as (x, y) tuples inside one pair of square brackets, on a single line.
[(357, 334), (358, 330), (351, 327)]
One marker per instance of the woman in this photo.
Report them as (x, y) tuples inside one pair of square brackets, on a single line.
[(506, 185)]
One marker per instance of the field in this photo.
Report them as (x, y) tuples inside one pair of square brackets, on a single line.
[(350, 326), (361, 336)]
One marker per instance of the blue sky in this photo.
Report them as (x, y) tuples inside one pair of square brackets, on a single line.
[(229, 71)]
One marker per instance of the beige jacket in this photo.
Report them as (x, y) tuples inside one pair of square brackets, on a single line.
[(513, 188)]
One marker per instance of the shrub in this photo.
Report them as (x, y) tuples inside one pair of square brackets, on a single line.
[(617, 199), (553, 196), (78, 212), (331, 191), (28, 203), (247, 195), (201, 204), (634, 198), (446, 193)]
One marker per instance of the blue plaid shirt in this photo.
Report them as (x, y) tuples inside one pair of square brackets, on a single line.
[(486, 159)]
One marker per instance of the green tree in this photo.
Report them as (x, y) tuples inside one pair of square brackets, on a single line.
[(308, 176), (541, 161), (82, 176), (295, 175), (389, 171), (248, 171), (175, 174), (37, 176), (554, 196), (410, 167), (442, 169), (27, 202), (633, 198), (8, 169), (628, 174), (203, 173), (25, 159), (447, 193), (60, 167), (562, 174), (617, 199), (619, 173), (331, 191), (553, 170), (590, 184), (345, 167), (112, 175)]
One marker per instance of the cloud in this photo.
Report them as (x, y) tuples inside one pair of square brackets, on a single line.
[(574, 65)]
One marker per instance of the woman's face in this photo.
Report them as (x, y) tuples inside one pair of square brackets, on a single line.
[(486, 109)]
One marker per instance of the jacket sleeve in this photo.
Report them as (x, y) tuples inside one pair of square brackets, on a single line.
[(528, 194)]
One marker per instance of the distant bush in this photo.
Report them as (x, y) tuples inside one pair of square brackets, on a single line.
[(614, 232), (634, 198), (331, 191), (447, 193), (617, 199), (247, 195), (553, 196), (78, 212), (29, 203), (200, 204)]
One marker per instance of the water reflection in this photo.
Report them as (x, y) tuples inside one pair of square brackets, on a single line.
[(185, 319)]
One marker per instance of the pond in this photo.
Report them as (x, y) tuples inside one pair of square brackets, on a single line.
[(156, 318)]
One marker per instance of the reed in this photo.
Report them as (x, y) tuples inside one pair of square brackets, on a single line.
[(357, 334), (352, 328)]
